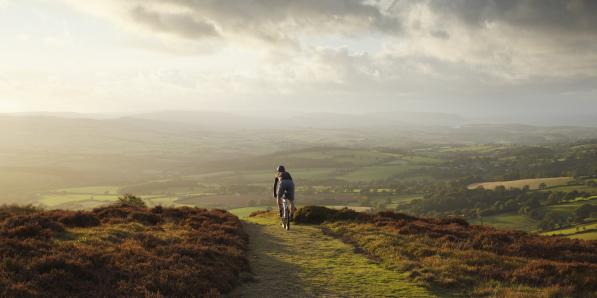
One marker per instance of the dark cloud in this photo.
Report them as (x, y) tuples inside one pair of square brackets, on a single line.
[(269, 20), (283, 20), (571, 15)]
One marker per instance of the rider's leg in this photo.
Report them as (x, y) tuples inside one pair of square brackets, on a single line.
[(285, 207), (279, 194), (291, 197)]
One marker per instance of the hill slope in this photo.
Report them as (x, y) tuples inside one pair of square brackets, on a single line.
[(474, 261)]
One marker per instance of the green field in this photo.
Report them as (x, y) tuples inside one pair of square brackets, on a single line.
[(110, 189), (585, 236), (573, 230), (532, 183), (56, 200), (568, 209), (508, 221)]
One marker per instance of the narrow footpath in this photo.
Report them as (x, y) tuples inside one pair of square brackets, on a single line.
[(303, 262)]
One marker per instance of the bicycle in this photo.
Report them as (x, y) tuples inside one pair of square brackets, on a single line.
[(286, 216)]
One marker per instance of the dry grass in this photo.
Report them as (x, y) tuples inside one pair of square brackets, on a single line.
[(477, 260)]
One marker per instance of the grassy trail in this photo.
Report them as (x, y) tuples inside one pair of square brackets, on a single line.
[(305, 263)]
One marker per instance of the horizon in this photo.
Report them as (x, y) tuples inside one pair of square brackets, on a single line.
[(555, 120)]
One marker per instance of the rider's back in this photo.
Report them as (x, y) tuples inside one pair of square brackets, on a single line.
[(284, 176)]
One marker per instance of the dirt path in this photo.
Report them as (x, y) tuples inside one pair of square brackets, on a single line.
[(305, 263)]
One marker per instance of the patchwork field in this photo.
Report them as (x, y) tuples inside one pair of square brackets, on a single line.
[(580, 188), (585, 231), (376, 172)]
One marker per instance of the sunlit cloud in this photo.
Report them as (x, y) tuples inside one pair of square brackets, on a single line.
[(251, 54)]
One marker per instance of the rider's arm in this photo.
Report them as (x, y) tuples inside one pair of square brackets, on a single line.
[(275, 185)]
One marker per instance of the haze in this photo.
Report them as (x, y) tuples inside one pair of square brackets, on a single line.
[(508, 61)]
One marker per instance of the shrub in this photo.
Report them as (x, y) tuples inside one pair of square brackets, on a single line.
[(131, 200)]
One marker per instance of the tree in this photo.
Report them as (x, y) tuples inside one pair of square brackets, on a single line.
[(552, 220), (553, 198), (584, 211)]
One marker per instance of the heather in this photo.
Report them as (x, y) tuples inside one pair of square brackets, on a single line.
[(120, 250)]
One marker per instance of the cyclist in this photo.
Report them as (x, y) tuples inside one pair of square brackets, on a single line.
[(284, 188)]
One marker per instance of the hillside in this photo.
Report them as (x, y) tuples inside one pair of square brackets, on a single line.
[(124, 250), (120, 251), (449, 256)]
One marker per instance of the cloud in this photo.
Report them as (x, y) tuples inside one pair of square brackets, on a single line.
[(429, 50), (182, 24)]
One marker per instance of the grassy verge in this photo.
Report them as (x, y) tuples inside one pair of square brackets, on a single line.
[(475, 261)]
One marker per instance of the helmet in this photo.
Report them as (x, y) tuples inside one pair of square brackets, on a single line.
[(281, 168)]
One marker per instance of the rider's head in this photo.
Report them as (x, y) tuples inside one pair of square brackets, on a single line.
[(281, 169)]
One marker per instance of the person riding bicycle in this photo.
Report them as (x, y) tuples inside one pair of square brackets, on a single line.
[(284, 188)]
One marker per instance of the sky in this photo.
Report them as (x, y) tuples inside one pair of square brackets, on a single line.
[(471, 57)]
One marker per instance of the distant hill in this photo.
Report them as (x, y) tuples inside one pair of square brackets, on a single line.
[(207, 119), (222, 120)]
